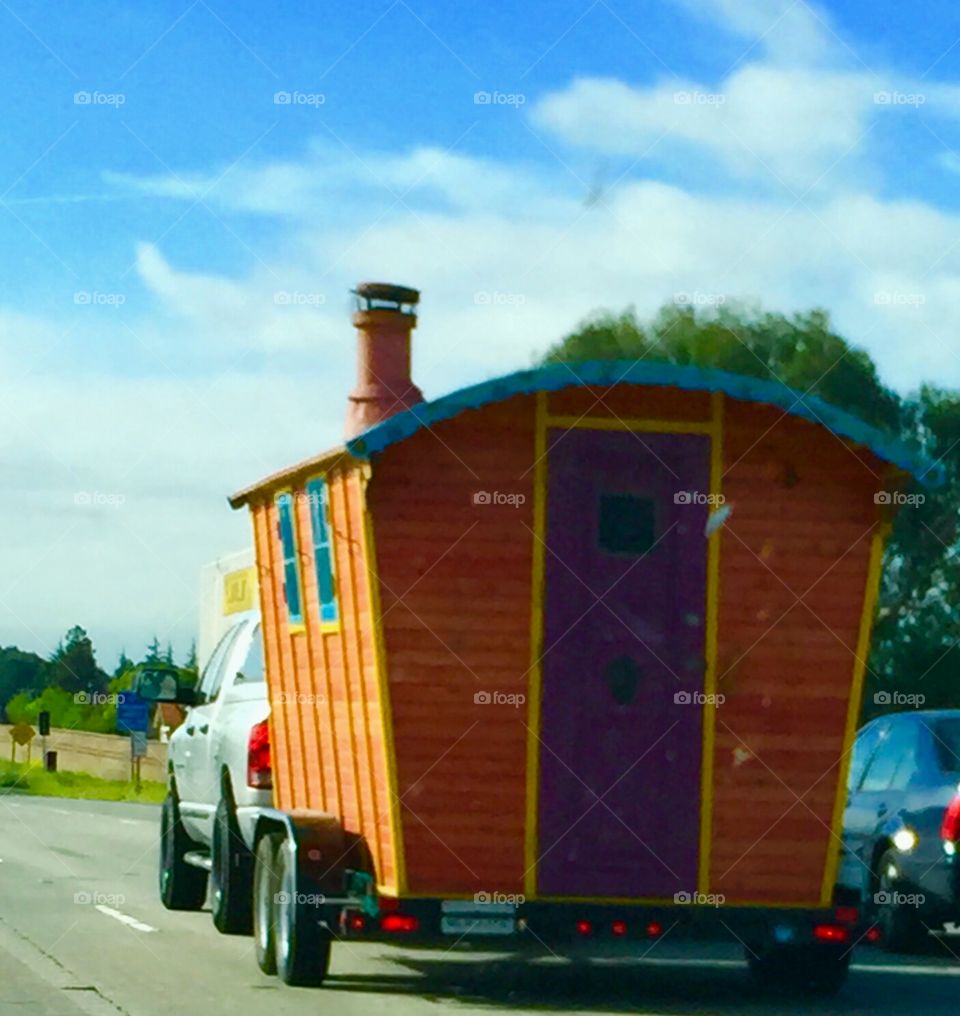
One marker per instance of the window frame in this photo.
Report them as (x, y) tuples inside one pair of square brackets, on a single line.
[(295, 620), (329, 611)]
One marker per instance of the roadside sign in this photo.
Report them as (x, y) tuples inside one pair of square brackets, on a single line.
[(239, 588), (138, 744), (22, 733), (132, 712), (43, 722)]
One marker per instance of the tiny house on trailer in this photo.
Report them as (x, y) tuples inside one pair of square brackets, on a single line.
[(565, 656)]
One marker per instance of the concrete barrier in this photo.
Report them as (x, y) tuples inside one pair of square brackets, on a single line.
[(104, 755)]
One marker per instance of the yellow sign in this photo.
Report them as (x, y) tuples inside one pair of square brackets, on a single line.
[(22, 733), (238, 590)]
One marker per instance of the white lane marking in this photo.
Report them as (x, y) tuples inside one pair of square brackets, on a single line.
[(131, 922)]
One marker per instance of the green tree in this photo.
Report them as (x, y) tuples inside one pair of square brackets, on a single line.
[(73, 665), (154, 653)]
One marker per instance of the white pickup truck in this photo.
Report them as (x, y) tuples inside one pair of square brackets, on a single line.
[(219, 774)]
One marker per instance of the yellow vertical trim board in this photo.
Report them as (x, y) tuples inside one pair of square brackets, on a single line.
[(535, 673), (711, 638), (380, 664), (870, 596)]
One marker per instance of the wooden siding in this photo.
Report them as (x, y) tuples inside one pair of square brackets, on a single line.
[(793, 570), (455, 592), (327, 725), (630, 402)]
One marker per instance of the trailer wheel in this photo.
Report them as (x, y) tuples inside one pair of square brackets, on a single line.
[(265, 885), (230, 900), (182, 886), (901, 928), (302, 945), (809, 970)]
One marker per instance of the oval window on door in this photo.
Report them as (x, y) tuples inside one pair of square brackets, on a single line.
[(623, 679)]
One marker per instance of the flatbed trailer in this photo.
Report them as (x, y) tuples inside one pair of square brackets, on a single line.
[(568, 660)]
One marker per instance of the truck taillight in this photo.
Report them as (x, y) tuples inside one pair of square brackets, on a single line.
[(259, 772), (950, 827)]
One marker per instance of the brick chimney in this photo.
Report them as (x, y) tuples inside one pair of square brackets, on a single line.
[(384, 319)]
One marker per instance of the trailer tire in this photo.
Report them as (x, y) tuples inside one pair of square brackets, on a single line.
[(265, 884), (809, 970), (230, 874), (182, 886), (302, 944)]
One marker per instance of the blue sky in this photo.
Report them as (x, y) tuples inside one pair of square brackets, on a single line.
[(175, 252)]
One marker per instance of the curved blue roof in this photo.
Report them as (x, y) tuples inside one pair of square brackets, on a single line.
[(556, 376)]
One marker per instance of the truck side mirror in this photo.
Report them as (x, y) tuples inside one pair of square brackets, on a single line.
[(162, 684)]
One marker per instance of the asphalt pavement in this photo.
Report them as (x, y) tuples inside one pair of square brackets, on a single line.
[(82, 931)]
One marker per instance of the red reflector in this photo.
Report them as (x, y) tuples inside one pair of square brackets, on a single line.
[(259, 771), (654, 929), (388, 903), (355, 922), (872, 935), (402, 923), (950, 827), (831, 933), (619, 928), (584, 927), (847, 915)]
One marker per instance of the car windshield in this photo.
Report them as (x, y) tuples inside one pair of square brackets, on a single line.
[(946, 737), (252, 669)]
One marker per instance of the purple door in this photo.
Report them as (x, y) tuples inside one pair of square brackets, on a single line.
[(623, 663)]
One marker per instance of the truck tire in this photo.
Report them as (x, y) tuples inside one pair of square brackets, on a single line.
[(302, 946), (265, 885), (182, 886), (230, 874), (810, 970), (901, 928)]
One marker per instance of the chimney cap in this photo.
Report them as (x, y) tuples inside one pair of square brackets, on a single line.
[(386, 296)]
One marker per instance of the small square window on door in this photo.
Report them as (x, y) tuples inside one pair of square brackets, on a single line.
[(627, 524)]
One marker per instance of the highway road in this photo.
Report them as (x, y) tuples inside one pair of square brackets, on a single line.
[(82, 932)]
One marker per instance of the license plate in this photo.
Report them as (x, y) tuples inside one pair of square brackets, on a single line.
[(477, 925)]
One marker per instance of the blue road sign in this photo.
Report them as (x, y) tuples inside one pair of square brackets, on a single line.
[(132, 712)]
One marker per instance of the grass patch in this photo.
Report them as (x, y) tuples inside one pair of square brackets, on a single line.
[(17, 777)]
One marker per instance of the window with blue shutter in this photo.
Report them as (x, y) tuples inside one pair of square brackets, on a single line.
[(291, 567), (317, 497)]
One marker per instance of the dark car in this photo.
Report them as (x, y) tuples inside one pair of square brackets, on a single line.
[(901, 827)]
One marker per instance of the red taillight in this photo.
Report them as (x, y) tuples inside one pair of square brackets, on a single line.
[(831, 933), (872, 935), (847, 915), (356, 922), (259, 772), (619, 928), (584, 927), (950, 827), (654, 929), (401, 923)]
